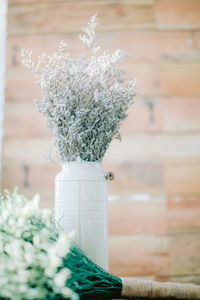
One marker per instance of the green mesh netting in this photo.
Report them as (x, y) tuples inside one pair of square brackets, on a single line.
[(89, 280)]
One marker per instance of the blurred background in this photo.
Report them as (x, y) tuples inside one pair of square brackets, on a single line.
[(154, 201)]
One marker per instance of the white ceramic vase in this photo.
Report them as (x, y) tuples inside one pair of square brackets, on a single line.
[(81, 205)]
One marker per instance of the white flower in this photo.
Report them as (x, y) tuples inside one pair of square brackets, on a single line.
[(84, 100), (61, 277), (89, 39), (31, 250), (69, 294)]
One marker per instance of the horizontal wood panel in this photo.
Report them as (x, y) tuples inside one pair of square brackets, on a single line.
[(141, 177), (59, 17), (167, 79), (130, 177), (183, 213), (181, 114), (141, 2), (182, 175), (174, 46), (137, 148), (147, 115), (154, 200), (21, 85), (23, 120), (33, 177), (181, 79), (155, 255), (26, 151), (131, 214), (188, 245), (154, 147), (166, 115), (179, 13), (139, 255)]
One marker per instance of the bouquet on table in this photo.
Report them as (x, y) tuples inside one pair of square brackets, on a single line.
[(39, 261), (32, 249)]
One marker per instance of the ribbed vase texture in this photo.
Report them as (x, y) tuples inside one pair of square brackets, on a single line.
[(81, 205)]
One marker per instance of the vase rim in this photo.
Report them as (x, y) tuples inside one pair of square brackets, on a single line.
[(81, 163)]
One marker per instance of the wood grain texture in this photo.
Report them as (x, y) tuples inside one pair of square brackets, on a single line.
[(154, 201), (183, 213), (147, 115), (157, 214), (160, 15), (183, 14), (155, 255), (176, 46), (153, 80), (21, 86), (60, 17), (189, 262), (139, 255), (139, 148), (137, 214), (182, 175), (180, 79)]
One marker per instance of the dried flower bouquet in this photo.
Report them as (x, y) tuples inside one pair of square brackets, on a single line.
[(84, 99)]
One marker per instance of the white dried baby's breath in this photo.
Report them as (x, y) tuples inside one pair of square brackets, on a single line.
[(31, 251)]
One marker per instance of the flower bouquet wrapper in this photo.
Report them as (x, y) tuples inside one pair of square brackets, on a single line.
[(90, 281), (52, 266), (148, 289)]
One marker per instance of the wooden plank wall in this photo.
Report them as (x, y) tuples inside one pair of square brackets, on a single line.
[(154, 202), (3, 32)]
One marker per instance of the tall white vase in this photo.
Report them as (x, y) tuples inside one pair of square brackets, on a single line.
[(81, 205)]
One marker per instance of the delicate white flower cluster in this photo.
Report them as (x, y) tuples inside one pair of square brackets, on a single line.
[(89, 39), (31, 251), (84, 100)]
